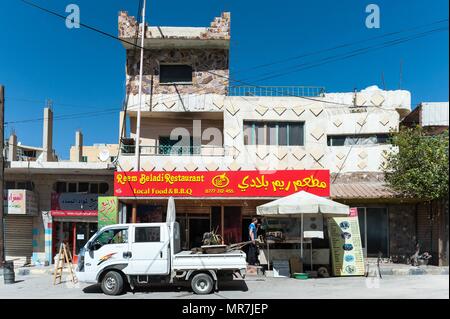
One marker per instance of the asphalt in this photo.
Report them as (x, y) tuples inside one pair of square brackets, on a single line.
[(39, 286)]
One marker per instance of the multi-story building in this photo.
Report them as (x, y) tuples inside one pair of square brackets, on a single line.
[(48, 200), (194, 123)]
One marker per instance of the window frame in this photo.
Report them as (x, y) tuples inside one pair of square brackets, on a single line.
[(252, 140), (378, 136)]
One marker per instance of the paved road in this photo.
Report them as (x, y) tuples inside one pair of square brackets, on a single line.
[(423, 286)]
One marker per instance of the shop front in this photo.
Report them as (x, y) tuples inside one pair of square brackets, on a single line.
[(223, 202), (20, 207), (75, 218)]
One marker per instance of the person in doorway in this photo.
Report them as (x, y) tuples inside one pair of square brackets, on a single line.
[(252, 256)]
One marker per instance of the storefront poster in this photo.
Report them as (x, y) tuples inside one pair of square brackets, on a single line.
[(221, 184), (345, 243), (19, 202), (108, 211)]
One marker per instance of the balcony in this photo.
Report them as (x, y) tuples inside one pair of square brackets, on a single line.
[(171, 150), (307, 91)]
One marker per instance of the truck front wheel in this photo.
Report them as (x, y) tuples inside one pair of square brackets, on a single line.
[(202, 284), (112, 283)]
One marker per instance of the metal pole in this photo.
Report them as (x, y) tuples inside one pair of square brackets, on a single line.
[(301, 237), (2, 171), (141, 69)]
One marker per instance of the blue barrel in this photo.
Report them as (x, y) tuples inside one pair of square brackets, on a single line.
[(8, 272)]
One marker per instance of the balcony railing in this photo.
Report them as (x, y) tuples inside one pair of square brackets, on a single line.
[(170, 150), (308, 91)]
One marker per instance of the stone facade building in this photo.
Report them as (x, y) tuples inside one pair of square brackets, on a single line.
[(187, 96)]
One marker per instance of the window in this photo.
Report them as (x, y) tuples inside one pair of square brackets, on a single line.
[(175, 73), (61, 187), (274, 133), (357, 139), (84, 159), (10, 185), (103, 188), (72, 188), (148, 234), (27, 185), (83, 187)]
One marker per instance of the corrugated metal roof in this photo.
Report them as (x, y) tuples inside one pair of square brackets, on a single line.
[(362, 190)]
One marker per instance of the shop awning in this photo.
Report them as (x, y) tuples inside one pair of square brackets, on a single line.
[(302, 203), (362, 190)]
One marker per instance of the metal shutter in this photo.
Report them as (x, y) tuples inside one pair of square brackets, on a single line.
[(19, 239)]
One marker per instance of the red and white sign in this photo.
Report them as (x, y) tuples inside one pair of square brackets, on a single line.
[(221, 183)]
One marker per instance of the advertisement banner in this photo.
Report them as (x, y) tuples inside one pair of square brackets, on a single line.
[(74, 204), (221, 183), (108, 211), (345, 243)]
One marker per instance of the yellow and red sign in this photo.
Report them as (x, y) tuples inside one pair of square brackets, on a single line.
[(221, 183)]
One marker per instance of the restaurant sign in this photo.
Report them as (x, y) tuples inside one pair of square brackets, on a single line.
[(74, 204), (221, 183)]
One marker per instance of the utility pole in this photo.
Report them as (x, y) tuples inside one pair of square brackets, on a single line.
[(2, 173), (138, 120)]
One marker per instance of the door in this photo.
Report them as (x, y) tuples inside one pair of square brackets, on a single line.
[(374, 228), (19, 238), (198, 226), (232, 225), (110, 246), (150, 250)]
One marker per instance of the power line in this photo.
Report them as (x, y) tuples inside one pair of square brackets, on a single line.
[(344, 45), (67, 116)]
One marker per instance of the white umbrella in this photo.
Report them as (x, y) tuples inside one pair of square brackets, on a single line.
[(171, 212), (302, 203)]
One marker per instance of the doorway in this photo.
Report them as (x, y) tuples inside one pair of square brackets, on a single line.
[(74, 234), (374, 228)]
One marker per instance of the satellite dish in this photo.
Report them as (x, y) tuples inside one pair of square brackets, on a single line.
[(103, 155)]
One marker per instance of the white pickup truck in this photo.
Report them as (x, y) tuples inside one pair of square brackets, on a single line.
[(133, 254)]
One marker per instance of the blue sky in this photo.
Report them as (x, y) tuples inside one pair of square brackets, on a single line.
[(82, 71)]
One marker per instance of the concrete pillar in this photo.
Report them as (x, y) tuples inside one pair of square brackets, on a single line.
[(134, 213), (47, 135), (79, 145), (12, 148)]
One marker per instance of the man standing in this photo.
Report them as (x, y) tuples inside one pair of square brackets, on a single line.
[(252, 257)]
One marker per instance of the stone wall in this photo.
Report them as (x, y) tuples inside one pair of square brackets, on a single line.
[(218, 29), (402, 230), (210, 71)]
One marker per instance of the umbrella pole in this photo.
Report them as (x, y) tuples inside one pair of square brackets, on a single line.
[(301, 238)]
